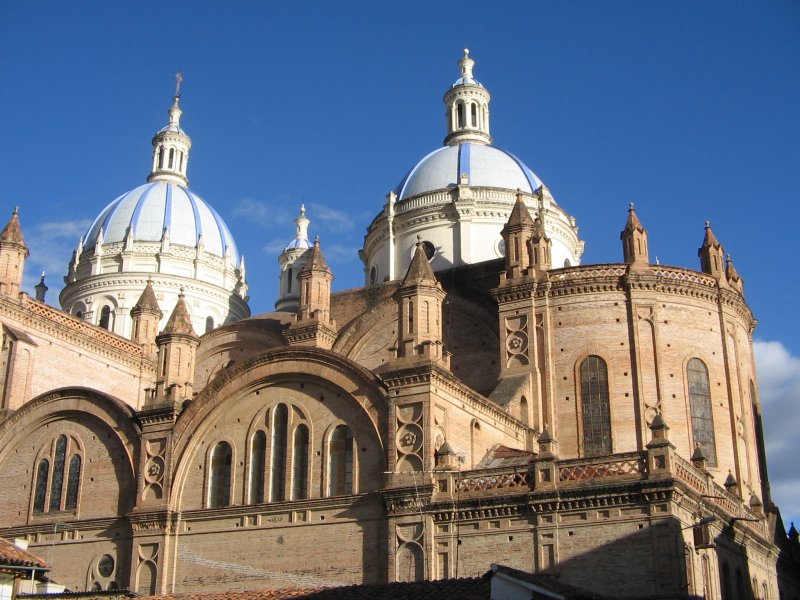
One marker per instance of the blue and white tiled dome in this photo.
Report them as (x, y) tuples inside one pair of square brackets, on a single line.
[(152, 207), (484, 166)]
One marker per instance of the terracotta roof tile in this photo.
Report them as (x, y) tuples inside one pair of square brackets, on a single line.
[(17, 557)]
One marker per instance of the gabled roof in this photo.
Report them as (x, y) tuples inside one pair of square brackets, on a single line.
[(11, 555)]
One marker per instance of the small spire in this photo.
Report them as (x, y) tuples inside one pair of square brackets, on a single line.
[(419, 271), (148, 300), (12, 233), (41, 288), (180, 321), (520, 215), (633, 222), (466, 64)]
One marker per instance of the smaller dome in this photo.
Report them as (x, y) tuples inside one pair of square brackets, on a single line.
[(484, 166), (298, 245), (171, 128), (158, 205), (466, 81)]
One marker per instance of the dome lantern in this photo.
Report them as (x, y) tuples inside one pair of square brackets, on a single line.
[(171, 146), (467, 104)]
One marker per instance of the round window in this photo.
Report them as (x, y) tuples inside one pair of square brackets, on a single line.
[(429, 248), (105, 566)]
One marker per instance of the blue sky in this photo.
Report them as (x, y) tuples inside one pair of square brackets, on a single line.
[(687, 109)]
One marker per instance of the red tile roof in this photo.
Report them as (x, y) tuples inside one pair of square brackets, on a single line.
[(10, 555), (477, 588)]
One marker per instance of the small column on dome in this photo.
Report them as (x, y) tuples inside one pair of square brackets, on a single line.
[(146, 316), (291, 260), (177, 345), (420, 302), (467, 103), (171, 145), (13, 253), (314, 326), (634, 243), (517, 233), (712, 257)]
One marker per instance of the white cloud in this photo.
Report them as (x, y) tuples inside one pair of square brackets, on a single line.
[(274, 247), (779, 389), (331, 219), (51, 245), (247, 208)]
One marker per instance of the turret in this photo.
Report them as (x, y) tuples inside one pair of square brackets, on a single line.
[(634, 243), (314, 326), (733, 277), (712, 257), (294, 256), (146, 316), (13, 253), (177, 344), (171, 146), (41, 289), (467, 103), (517, 233), (420, 299), (540, 249)]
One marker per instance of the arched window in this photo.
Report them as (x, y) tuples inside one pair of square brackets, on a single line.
[(289, 280), (161, 158), (373, 275), (40, 492), (474, 115), (567, 264), (280, 425), (410, 316), (171, 157), (523, 410), (57, 483), (340, 462), (700, 408), (300, 463), (105, 318), (258, 467), (219, 477), (209, 324), (706, 577), (596, 409), (181, 161), (73, 482), (460, 116)]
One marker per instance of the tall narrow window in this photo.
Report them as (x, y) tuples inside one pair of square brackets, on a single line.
[(280, 424), (209, 324), (340, 462), (460, 112), (410, 317), (171, 157), (700, 408), (300, 463), (219, 480), (289, 280), (40, 493), (523, 410), (105, 317), (57, 484), (474, 115), (258, 467), (181, 161), (596, 410), (161, 158), (73, 482)]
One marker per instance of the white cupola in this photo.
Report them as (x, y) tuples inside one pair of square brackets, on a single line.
[(467, 103), (171, 146), (293, 257)]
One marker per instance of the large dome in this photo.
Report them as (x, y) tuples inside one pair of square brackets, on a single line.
[(153, 207), (484, 166)]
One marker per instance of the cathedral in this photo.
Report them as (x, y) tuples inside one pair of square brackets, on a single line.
[(483, 398)]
